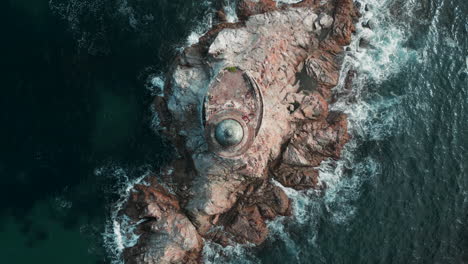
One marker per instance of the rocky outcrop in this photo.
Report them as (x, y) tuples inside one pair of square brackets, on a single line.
[(306, 106), (246, 221), (311, 144), (248, 8), (166, 234), (314, 142), (272, 73)]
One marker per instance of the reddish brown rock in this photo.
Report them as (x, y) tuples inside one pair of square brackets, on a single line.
[(248, 226), (166, 234), (307, 106), (246, 221), (299, 178), (208, 38), (272, 73), (247, 8), (324, 69), (346, 15), (317, 141), (150, 202), (221, 16)]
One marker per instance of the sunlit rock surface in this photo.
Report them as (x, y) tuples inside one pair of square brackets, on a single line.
[(272, 73)]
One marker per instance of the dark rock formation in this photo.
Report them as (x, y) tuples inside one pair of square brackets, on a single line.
[(166, 234), (248, 8)]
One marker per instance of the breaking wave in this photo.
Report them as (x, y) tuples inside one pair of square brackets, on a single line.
[(119, 230), (199, 30), (369, 120), (371, 117), (230, 10), (236, 254)]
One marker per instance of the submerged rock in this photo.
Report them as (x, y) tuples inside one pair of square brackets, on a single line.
[(245, 105), (368, 24), (365, 43)]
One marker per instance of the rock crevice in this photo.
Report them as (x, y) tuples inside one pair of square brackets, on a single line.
[(292, 55)]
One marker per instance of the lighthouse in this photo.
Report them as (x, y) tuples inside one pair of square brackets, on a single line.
[(233, 112)]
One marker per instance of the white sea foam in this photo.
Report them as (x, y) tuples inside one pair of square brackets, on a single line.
[(230, 10), (201, 28), (119, 230), (233, 254), (387, 38), (368, 120), (287, 1), (466, 64), (372, 120), (155, 84)]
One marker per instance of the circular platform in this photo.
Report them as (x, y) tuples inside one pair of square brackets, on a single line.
[(233, 104)]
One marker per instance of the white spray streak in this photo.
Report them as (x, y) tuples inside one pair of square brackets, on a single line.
[(119, 230)]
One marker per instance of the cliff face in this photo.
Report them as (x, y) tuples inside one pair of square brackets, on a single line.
[(272, 73)]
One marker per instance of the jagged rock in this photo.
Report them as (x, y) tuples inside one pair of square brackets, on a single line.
[(191, 56), (326, 21), (248, 226), (358, 4), (248, 8), (317, 27), (299, 178), (350, 76), (345, 17), (317, 141), (246, 221), (309, 22), (368, 24), (364, 43), (307, 106), (323, 69), (221, 16), (314, 107), (293, 156), (167, 235), (249, 72), (234, 40)]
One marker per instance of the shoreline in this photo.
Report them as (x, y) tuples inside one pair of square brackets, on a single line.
[(234, 209)]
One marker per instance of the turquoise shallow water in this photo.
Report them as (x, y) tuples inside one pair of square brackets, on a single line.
[(76, 128)]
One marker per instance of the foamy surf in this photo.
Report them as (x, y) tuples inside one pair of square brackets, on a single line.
[(155, 84), (201, 28), (387, 53), (368, 120), (230, 10), (234, 254), (119, 230)]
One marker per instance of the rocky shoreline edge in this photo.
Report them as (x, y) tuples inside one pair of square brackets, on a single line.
[(273, 73)]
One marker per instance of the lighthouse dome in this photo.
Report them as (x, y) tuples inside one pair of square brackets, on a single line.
[(229, 133)]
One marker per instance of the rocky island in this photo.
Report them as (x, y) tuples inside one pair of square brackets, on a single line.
[(245, 107)]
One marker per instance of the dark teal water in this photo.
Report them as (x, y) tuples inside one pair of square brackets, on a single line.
[(76, 127)]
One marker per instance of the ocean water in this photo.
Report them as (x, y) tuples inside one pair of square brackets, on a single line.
[(77, 130)]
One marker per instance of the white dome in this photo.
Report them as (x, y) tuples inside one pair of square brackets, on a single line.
[(229, 133)]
